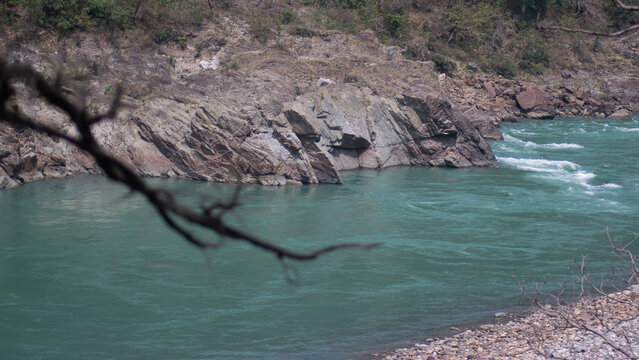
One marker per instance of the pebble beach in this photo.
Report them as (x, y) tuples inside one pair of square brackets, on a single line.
[(605, 327)]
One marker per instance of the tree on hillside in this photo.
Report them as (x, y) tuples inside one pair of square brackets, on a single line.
[(619, 4), (177, 216)]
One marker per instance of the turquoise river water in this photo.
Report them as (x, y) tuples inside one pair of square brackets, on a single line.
[(90, 272)]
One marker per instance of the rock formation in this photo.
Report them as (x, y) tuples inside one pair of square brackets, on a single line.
[(261, 118), (309, 141), (258, 119)]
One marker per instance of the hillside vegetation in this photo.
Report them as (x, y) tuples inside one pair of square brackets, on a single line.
[(497, 36)]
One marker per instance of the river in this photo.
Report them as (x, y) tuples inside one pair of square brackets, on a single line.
[(88, 271)]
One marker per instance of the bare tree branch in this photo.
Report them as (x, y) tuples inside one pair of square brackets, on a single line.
[(621, 5), (590, 32), (163, 200), (618, 3)]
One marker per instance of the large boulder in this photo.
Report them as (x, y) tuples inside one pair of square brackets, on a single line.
[(370, 131), (621, 114), (531, 98), (535, 102)]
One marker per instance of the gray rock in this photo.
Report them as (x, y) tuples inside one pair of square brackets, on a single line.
[(488, 126), (251, 131), (351, 133), (621, 114), (541, 114)]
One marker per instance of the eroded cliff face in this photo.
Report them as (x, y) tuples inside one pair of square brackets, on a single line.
[(260, 118), (309, 141)]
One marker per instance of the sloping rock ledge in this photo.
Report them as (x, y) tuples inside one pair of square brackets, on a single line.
[(309, 141)]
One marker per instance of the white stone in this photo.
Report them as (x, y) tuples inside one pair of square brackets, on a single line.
[(210, 65), (324, 81)]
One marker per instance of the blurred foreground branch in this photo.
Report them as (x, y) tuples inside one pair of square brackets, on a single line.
[(173, 213)]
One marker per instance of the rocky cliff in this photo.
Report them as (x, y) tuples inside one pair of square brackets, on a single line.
[(249, 124), (309, 141), (232, 109)]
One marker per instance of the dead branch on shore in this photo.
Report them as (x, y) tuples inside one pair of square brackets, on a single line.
[(592, 309), (207, 216), (618, 3)]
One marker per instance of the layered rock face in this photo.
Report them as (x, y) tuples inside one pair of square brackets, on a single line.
[(260, 118), (348, 131), (308, 141)]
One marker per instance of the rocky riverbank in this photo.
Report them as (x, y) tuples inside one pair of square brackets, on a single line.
[(489, 101), (269, 116), (260, 117), (600, 328), (294, 111)]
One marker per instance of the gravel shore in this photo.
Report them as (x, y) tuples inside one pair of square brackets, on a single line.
[(605, 327)]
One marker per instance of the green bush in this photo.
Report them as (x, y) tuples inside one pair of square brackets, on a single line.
[(109, 13), (196, 13), (533, 4), (351, 4), (532, 68), (182, 41), (504, 67), (536, 54), (260, 29), (534, 59), (527, 6), (471, 28), (162, 36), (199, 46), (288, 16), (444, 63), (70, 15), (393, 23), (417, 51)]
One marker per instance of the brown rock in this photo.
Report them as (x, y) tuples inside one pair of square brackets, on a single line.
[(592, 101), (489, 89), (532, 98)]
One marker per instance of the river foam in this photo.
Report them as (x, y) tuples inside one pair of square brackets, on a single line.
[(562, 170), (512, 139), (628, 129)]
